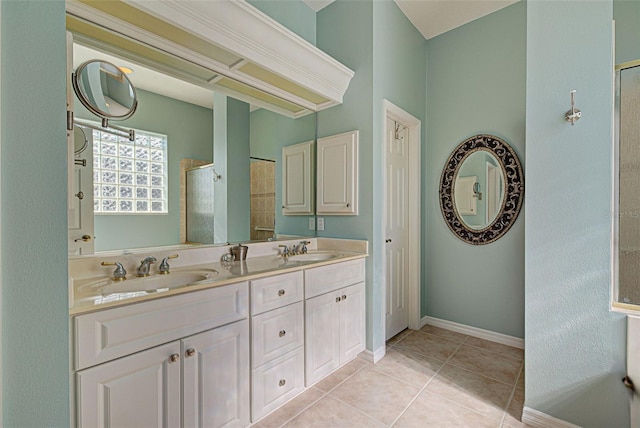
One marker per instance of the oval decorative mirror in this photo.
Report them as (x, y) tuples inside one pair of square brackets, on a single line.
[(481, 189), (105, 90)]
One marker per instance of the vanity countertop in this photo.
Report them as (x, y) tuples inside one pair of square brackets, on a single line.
[(88, 293)]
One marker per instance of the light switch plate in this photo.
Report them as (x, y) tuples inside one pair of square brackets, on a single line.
[(320, 221), (312, 223)]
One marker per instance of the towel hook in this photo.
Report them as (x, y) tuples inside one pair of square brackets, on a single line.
[(573, 115)]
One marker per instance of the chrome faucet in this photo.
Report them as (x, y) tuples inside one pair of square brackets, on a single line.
[(285, 251), (143, 269), (163, 269), (302, 247), (119, 274)]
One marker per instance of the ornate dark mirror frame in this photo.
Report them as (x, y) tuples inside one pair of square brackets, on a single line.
[(511, 202)]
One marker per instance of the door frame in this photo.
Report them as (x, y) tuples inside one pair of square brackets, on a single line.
[(414, 125)]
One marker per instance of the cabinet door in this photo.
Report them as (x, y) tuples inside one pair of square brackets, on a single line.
[(338, 174), (297, 170), (322, 346), (352, 322), (216, 377), (141, 390)]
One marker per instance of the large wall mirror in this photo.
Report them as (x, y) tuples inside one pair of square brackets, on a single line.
[(187, 121), (481, 189)]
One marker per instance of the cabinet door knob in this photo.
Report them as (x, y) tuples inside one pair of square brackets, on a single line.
[(282, 333), (191, 352), (338, 299), (174, 358), (344, 297), (281, 293), (282, 382)]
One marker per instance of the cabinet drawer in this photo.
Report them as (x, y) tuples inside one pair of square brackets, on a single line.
[(323, 279), (275, 292), (112, 333), (276, 332), (276, 382)]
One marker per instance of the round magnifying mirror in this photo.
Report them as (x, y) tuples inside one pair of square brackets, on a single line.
[(80, 140), (105, 90), (479, 189)]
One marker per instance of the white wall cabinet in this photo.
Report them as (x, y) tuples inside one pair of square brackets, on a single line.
[(337, 181), (334, 320), (297, 173)]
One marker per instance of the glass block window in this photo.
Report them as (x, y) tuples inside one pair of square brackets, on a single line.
[(129, 176)]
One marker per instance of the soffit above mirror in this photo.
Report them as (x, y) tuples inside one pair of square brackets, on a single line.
[(226, 46)]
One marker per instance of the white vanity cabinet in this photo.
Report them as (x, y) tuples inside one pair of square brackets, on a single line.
[(297, 173), (179, 361), (277, 341), (334, 317)]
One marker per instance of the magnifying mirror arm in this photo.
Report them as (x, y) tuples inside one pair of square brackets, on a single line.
[(111, 129)]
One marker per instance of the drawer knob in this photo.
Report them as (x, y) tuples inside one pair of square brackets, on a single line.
[(344, 297), (281, 293), (338, 299), (191, 352), (282, 333), (174, 358), (282, 382)]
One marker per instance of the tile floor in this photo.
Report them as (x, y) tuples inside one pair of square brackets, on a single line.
[(428, 378)]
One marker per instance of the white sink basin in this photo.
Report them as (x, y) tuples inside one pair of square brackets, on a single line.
[(314, 256), (150, 283)]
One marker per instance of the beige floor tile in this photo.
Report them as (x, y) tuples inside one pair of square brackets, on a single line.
[(518, 394), (397, 337), (329, 412), (428, 345), (337, 377), (408, 366), (437, 331), (487, 363), (476, 392), (513, 417), (291, 409), (499, 348), (430, 410), (376, 394)]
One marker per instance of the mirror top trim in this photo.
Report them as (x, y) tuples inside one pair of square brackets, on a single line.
[(514, 186)]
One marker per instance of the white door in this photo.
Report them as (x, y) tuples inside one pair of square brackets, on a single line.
[(216, 377), (633, 366), (352, 322), (322, 334), (397, 228), (141, 390)]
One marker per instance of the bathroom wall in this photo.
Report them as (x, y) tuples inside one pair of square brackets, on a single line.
[(388, 55), (189, 130), (475, 85), (574, 345), (35, 338), (626, 13), (293, 14)]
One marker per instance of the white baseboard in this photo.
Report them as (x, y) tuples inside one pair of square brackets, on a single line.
[(516, 342), (374, 357), (534, 418)]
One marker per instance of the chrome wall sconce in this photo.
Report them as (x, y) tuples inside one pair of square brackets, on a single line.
[(573, 115)]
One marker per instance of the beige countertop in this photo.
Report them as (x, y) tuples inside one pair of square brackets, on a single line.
[(87, 292)]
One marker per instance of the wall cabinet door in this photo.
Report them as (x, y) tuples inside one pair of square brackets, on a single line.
[(297, 171), (322, 345), (216, 377), (141, 390), (337, 185), (335, 330)]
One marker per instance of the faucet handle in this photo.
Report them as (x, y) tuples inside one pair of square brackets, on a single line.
[(285, 251), (164, 266), (303, 246), (119, 274)]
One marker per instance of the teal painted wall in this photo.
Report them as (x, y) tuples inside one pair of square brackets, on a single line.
[(388, 56), (270, 132), (475, 84), (574, 345), (626, 13), (35, 338), (293, 14), (189, 130)]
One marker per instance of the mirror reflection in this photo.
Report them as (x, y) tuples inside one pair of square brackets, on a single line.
[(479, 189), (137, 188)]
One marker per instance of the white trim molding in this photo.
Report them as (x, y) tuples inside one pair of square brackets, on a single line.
[(374, 357), (492, 336), (535, 418)]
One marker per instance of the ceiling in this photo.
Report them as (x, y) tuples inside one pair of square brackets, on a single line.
[(434, 17)]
